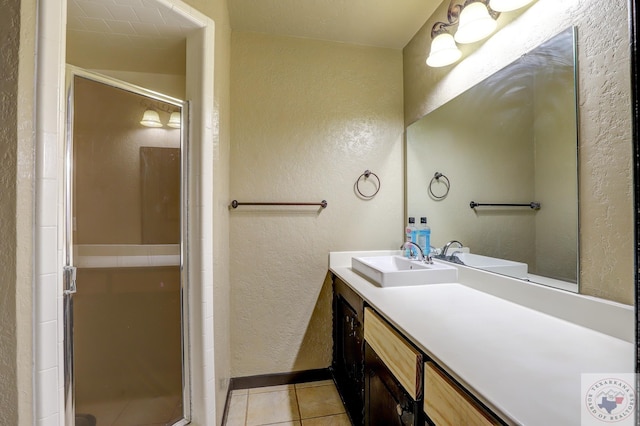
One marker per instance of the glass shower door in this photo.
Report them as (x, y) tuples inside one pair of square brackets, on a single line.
[(126, 318)]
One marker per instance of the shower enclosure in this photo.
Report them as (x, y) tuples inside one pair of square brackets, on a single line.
[(125, 286)]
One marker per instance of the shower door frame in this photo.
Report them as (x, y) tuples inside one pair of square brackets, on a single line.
[(69, 270)]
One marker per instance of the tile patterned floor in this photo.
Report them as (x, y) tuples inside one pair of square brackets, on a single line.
[(303, 404)]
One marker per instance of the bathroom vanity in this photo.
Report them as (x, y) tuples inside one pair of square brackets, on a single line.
[(487, 349)]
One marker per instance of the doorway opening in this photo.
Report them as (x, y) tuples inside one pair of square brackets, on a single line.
[(125, 290), (49, 177)]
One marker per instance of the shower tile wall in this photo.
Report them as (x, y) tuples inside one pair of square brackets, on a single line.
[(49, 383)]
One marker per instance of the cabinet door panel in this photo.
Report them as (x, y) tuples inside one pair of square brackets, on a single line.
[(348, 356), (400, 357), (448, 405), (386, 401), (350, 341)]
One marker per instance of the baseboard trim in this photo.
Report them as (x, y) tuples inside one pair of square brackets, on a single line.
[(227, 403), (260, 381)]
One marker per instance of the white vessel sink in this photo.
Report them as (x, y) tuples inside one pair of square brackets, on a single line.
[(494, 264), (396, 271)]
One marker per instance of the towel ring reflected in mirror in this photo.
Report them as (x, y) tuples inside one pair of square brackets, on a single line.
[(436, 179)]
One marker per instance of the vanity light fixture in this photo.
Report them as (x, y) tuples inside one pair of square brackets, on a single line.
[(508, 5), (174, 120), (475, 20), (151, 118)]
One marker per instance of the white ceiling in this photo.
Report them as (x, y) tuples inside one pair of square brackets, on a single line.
[(144, 33)]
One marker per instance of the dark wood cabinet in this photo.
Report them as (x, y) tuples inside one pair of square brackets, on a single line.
[(373, 397), (348, 348)]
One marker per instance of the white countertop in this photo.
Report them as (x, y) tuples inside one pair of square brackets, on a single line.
[(524, 364)]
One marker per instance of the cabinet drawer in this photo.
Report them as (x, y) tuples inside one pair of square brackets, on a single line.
[(446, 404), (402, 359)]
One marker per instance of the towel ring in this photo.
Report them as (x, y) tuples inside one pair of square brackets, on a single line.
[(445, 180), (367, 174)]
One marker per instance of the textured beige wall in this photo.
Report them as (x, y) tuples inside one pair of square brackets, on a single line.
[(17, 141), (87, 50), (9, 31), (308, 117), (605, 179), (17, 41)]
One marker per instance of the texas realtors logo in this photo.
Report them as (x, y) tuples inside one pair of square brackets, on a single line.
[(611, 400)]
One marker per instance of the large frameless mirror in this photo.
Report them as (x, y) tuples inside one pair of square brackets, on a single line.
[(511, 139)]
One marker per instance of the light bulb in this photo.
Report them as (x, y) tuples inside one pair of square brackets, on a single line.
[(151, 119), (174, 120), (444, 51), (475, 23)]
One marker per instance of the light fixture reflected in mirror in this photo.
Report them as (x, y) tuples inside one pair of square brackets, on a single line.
[(475, 23), (151, 119), (174, 120), (508, 5)]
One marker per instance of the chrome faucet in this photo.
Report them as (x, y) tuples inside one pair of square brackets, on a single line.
[(409, 245), (446, 247)]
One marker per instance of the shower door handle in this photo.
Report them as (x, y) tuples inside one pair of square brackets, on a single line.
[(70, 273)]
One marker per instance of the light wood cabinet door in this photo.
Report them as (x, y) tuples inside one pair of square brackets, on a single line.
[(401, 358), (447, 404)]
